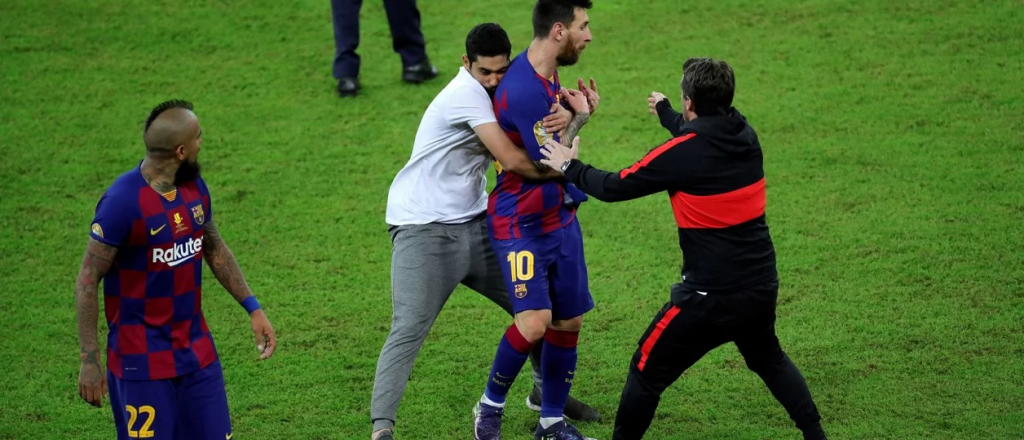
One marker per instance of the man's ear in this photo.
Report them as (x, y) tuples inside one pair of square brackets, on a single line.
[(465, 61), (179, 152), (557, 32)]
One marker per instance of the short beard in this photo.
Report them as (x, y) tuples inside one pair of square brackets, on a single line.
[(187, 172), (569, 55)]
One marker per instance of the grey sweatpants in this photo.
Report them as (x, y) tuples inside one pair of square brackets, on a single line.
[(427, 263)]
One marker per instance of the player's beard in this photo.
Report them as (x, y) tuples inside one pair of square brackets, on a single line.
[(491, 91), (187, 172), (569, 54)]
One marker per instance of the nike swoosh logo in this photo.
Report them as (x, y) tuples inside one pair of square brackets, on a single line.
[(154, 232), (228, 436)]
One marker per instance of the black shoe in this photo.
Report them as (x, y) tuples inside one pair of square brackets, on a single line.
[(559, 431), (574, 409), (418, 73), (348, 86)]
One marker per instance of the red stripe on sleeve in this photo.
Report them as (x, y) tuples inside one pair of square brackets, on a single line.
[(659, 328), (719, 210), (501, 104), (654, 154)]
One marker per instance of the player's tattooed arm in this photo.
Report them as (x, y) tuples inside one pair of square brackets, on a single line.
[(95, 264), (578, 101), (575, 125), (224, 266), (223, 263)]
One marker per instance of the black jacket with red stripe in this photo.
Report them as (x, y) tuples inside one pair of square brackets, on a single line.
[(713, 173)]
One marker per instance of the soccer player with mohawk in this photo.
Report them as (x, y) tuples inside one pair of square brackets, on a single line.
[(151, 231)]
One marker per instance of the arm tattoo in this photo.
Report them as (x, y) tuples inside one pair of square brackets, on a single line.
[(97, 260), (223, 264), (575, 125)]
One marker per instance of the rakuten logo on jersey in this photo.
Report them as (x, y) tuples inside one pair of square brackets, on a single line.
[(179, 253)]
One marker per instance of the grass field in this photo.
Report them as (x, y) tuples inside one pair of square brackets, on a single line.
[(892, 135)]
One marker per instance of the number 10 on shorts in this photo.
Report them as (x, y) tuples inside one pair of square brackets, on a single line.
[(521, 265)]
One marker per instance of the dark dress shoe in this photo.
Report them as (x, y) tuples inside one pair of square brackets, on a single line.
[(418, 73), (348, 86)]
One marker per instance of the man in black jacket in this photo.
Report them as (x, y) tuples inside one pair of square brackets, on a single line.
[(712, 170)]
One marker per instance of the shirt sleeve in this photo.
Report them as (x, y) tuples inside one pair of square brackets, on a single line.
[(470, 105), (657, 171), (112, 224), (527, 112), (669, 118)]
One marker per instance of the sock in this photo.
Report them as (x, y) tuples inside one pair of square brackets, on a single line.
[(558, 363), (513, 350), (381, 424), (547, 422), (484, 400)]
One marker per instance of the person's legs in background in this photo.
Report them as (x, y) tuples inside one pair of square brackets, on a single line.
[(345, 14)]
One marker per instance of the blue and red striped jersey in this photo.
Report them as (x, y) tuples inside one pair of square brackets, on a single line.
[(152, 294), (518, 207)]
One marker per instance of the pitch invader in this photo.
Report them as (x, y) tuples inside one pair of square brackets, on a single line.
[(533, 226), (151, 231)]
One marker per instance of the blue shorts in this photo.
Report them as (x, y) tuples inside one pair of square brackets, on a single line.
[(547, 272), (193, 407)]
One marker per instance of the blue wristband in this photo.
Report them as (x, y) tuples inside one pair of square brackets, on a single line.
[(250, 304)]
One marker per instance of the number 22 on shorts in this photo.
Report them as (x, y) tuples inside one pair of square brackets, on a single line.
[(133, 415), (521, 265)]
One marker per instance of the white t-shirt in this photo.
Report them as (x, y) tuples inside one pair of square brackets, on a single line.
[(444, 180)]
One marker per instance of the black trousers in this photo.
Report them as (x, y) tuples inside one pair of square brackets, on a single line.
[(690, 326), (406, 37)]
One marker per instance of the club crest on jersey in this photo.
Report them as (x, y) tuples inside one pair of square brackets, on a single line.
[(198, 214), (540, 133), (96, 229), (179, 225), (520, 290)]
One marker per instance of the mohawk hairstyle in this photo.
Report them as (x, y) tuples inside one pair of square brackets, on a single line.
[(164, 106)]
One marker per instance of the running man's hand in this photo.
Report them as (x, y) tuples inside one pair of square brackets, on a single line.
[(653, 100), (266, 341)]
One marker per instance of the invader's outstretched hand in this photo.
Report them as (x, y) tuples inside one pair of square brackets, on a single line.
[(555, 154), (653, 100)]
